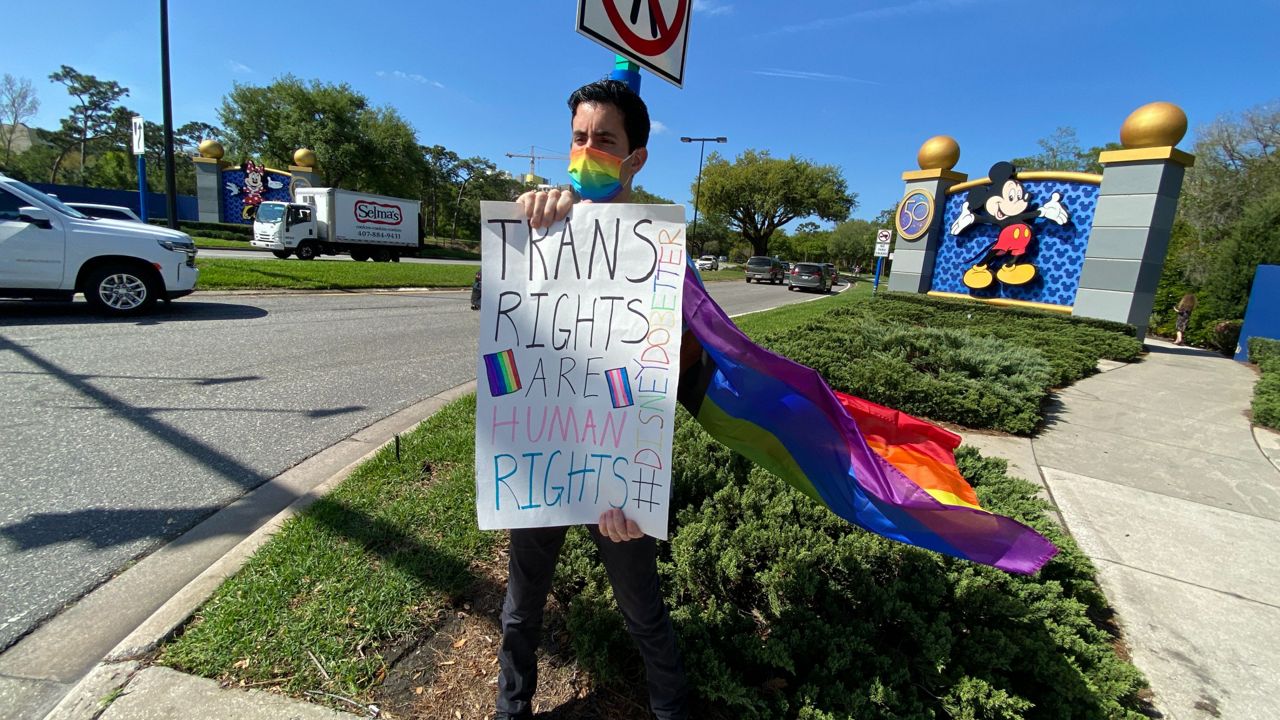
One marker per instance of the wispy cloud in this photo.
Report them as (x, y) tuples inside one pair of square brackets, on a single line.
[(415, 77), (657, 127), (712, 7), (804, 75), (239, 67), (893, 9)]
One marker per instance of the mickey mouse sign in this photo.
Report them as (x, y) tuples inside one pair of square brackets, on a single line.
[(1005, 203)]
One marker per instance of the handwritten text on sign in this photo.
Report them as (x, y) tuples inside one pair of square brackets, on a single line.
[(579, 363)]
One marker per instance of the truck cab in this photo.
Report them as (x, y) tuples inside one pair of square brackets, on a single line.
[(284, 228), (51, 251)]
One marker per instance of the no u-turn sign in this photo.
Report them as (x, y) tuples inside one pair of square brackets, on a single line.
[(653, 33)]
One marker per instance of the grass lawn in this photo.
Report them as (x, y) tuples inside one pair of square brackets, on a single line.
[(392, 561), (726, 274), (219, 244), (227, 274)]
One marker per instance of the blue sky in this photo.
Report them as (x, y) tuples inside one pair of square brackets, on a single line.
[(854, 83)]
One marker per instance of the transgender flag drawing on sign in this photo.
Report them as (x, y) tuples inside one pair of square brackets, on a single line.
[(619, 387)]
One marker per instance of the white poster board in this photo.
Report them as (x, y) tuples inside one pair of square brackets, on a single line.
[(579, 361)]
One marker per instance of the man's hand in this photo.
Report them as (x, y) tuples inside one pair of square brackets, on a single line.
[(545, 208), (615, 526)]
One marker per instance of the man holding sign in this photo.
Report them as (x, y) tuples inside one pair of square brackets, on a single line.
[(581, 349)]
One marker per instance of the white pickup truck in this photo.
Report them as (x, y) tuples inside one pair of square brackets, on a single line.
[(49, 251)]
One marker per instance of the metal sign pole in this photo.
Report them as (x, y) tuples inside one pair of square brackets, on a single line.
[(876, 284), (140, 152)]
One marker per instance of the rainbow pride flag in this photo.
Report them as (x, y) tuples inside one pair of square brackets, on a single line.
[(619, 387), (880, 469), (503, 376)]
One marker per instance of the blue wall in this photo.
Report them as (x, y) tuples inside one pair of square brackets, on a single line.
[(1262, 316), (156, 207), (1057, 252)]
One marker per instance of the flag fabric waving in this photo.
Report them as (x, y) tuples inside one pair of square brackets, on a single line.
[(877, 468)]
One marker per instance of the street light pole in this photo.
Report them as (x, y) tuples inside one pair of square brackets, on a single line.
[(170, 184), (697, 193)]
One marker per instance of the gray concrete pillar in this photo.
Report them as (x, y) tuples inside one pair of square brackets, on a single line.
[(208, 188), (918, 218), (1136, 206)]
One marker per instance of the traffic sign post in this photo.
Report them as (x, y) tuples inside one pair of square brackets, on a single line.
[(652, 33), (882, 251), (140, 151)]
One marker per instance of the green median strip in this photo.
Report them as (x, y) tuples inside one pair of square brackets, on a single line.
[(270, 273)]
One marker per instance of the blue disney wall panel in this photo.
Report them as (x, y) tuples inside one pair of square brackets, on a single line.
[(1016, 236), (246, 187)]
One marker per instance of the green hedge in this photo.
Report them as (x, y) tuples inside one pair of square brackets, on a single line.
[(1004, 311), (221, 231), (785, 611), (968, 363), (1266, 393), (938, 373), (1262, 349)]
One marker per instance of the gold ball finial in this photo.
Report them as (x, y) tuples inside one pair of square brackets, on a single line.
[(1157, 124), (304, 157), (940, 152), (211, 149)]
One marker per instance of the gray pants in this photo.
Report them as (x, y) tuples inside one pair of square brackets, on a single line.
[(633, 572)]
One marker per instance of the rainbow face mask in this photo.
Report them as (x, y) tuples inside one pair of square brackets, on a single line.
[(596, 175)]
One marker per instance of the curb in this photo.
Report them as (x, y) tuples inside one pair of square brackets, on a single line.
[(122, 664), (328, 291)]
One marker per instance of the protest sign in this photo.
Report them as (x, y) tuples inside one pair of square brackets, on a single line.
[(579, 360)]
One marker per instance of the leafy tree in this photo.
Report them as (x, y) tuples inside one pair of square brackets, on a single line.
[(757, 194), (853, 242), (93, 116), (1061, 151), (18, 104), (1254, 241), (643, 197), (359, 147)]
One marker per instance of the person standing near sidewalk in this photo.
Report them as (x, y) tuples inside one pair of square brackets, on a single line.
[(610, 134), (1184, 308)]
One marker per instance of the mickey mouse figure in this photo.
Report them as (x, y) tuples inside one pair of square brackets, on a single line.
[(1004, 202)]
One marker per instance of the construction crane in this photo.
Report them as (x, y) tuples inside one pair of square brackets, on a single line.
[(534, 157)]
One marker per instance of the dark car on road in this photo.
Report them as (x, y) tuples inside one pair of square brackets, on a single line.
[(809, 276), (764, 269)]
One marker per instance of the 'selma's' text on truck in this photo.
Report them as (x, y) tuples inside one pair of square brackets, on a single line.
[(329, 221)]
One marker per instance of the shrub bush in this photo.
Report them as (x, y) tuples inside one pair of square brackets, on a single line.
[(221, 231), (1225, 336), (964, 362), (1263, 349), (784, 610), (938, 373), (1266, 395)]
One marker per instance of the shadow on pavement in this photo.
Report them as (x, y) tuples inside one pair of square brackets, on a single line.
[(104, 527), (1181, 350), (19, 313)]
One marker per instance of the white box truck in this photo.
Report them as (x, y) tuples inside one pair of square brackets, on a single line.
[(49, 251), (329, 221)]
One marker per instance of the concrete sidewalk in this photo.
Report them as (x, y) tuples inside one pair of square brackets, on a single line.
[(1156, 472)]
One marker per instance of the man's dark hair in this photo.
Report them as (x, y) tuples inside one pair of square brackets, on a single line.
[(635, 115)]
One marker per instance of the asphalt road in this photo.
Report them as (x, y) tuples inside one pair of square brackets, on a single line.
[(120, 435), (262, 255)]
